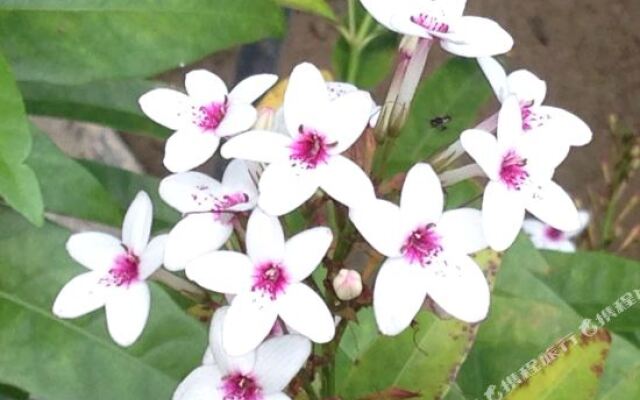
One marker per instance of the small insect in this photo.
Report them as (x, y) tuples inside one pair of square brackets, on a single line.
[(441, 122)]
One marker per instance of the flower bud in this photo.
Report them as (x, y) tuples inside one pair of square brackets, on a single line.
[(347, 284)]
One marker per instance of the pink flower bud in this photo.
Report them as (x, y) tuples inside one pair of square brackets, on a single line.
[(347, 284)]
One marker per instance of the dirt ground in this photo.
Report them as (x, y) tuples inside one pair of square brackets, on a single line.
[(588, 51)]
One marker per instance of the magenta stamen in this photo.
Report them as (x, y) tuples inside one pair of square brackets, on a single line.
[(430, 23), (210, 116), (553, 234), (512, 170), (422, 245), (124, 271), (239, 386), (310, 148), (230, 200), (271, 278)]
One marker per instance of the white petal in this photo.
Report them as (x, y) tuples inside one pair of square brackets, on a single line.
[(509, 121), (237, 179), (249, 320), (189, 148), (94, 250), (454, 8), (477, 37), (398, 294), (461, 229), (251, 88), (496, 75), (283, 188), (265, 238), (279, 359), (552, 205), (483, 148), (127, 312), (304, 252), (205, 87), (380, 10), (239, 118), (167, 107), (306, 97), (81, 295), (277, 396), (260, 146), (346, 119), (221, 271), (226, 363), (566, 126), (458, 286), (339, 89), (533, 227), (189, 191), (502, 215), (527, 87), (193, 236), (346, 182), (304, 310), (565, 246), (422, 200), (136, 227), (379, 222), (203, 383), (584, 217), (153, 256)]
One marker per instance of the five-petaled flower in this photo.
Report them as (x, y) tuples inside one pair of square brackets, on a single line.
[(559, 128), (427, 254), (520, 173), (208, 208), (208, 113), (547, 237), (319, 130), (118, 270), (267, 283), (261, 374), (442, 20)]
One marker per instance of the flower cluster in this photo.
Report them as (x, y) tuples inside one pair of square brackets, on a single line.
[(278, 167)]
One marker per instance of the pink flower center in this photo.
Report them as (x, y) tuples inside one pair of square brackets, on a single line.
[(530, 118), (553, 234), (430, 23), (422, 245), (310, 148), (230, 200), (512, 170), (271, 278), (210, 116), (124, 270), (238, 386)]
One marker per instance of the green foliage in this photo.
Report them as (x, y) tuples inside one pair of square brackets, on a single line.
[(76, 41), (457, 89), (110, 103), (67, 360), (18, 184), (319, 7)]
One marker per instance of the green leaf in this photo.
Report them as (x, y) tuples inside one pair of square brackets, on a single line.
[(18, 184), (458, 89), (423, 359), (111, 103), (76, 41), (75, 359), (11, 393), (529, 314), (376, 60), (68, 188), (319, 7)]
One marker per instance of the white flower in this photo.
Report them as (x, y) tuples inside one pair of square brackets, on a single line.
[(547, 237), (200, 118), (310, 156), (520, 170), (347, 284), (442, 20), (427, 254), (118, 270), (262, 374), (207, 207), (558, 127), (268, 283)]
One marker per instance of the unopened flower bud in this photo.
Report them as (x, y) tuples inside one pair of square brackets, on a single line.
[(347, 284)]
